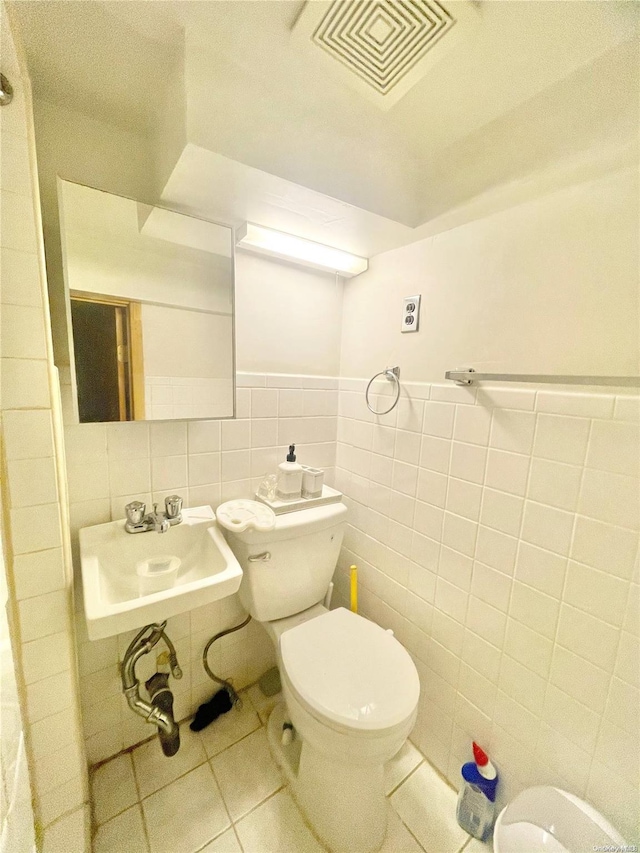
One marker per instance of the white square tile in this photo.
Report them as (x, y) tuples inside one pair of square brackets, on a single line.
[(463, 498), (615, 447), (23, 333), (154, 771), (501, 511), (85, 443), (235, 465), (186, 814), (528, 647), (398, 838), (428, 520), (204, 468), (276, 826), (432, 487), (264, 432), (491, 586), (124, 832), (603, 546), (88, 481), (614, 498), (535, 609), (48, 696), (506, 398), (627, 409), (407, 447), (579, 678), (410, 414), (438, 419), (507, 471), (459, 533), (554, 483), (565, 757), (547, 527), (25, 384), (598, 593), (230, 727), (481, 655), (264, 403), (512, 430), (486, 621), (168, 472), (587, 636), (32, 482), (168, 439), (246, 773), (20, 278), (128, 441), (28, 536), (468, 462), (45, 656), (27, 434), (113, 788), (38, 573), (235, 435), (204, 436), (435, 453), (563, 439), (628, 659), (435, 827), (290, 403), (472, 425), (518, 680), (541, 569), (128, 476), (405, 478), (571, 718), (585, 405), (496, 549)]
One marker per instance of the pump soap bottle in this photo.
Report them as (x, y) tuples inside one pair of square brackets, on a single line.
[(289, 478)]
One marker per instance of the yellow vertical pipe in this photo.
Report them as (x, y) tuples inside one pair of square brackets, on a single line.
[(354, 588)]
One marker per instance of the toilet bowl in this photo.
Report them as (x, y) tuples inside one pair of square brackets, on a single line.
[(544, 819), (351, 689)]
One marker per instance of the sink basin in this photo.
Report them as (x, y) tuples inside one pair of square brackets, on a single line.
[(113, 602)]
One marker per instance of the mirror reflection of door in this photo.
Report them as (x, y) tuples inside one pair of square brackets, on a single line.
[(107, 339)]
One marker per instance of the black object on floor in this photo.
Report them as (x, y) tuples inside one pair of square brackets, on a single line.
[(211, 710)]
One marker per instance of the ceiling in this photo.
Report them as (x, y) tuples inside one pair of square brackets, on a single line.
[(531, 84)]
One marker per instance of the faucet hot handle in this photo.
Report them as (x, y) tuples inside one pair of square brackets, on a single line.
[(135, 512), (173, 506)]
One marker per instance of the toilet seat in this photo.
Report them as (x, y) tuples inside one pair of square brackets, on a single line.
[(349, 673)]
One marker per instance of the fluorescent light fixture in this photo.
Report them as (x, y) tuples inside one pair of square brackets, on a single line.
[(278, 244)]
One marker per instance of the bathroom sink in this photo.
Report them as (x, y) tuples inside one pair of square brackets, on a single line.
[(113, 602)]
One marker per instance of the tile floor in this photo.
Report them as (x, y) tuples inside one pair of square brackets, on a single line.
[(223, 793)]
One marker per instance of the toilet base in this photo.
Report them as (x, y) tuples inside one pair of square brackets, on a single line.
[(344, 805)]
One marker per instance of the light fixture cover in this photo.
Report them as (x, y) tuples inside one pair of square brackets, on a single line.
[(279, 244)]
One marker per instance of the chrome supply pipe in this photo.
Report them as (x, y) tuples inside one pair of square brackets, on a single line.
[(139, 647)]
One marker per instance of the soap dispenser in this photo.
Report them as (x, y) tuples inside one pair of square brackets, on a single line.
[(289, 477)]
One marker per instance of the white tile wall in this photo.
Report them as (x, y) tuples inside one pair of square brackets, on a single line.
[(37, 578), (508, 571), (206, 462)]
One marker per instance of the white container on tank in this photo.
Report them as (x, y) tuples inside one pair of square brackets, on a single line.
[(289, 477)]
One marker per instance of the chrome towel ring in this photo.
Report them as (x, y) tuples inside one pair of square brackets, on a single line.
[(393, 375)]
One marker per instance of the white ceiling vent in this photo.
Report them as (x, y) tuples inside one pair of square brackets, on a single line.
[(383, 47)]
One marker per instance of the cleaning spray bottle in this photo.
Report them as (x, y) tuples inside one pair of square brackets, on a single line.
[(477, 797)]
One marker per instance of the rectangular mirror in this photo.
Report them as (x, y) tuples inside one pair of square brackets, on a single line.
[(150, 303)]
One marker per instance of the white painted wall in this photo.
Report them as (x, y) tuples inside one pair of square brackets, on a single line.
[(288, 319), (548, 286)]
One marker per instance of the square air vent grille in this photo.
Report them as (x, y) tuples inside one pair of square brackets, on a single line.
[(382, 40), (382, 48)]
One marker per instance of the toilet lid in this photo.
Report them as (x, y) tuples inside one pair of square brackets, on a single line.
[(350, 671)]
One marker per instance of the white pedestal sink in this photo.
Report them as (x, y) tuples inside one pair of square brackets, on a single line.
[(109, 556)]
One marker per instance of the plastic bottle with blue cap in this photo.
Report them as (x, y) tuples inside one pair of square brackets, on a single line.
[(477, 798)]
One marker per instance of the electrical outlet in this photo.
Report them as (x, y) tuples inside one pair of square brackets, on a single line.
[(411, 313)]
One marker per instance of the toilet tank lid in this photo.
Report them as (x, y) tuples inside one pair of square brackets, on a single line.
[(351, 671), (544, 810), (294, 524)]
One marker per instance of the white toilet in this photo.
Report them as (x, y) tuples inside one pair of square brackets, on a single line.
[(351, 689)]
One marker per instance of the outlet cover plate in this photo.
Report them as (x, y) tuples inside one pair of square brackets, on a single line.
[(411, 313)]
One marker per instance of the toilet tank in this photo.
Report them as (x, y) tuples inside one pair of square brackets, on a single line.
[(288, 569)]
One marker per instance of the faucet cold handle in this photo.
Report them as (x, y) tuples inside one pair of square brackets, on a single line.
[(135, 512), (173, 506)]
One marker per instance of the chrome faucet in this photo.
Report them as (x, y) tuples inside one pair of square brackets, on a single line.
[(139, 521)]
